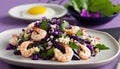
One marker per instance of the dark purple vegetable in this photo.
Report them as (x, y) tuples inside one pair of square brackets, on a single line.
[(91, 48), (10, 47), (37, 24), (79, 39), (59, 46), (17, 52), (76, 55), (44, 18), (56, 21), (35, 57)]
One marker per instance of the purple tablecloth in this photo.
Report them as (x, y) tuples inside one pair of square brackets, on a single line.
[(6, 22)]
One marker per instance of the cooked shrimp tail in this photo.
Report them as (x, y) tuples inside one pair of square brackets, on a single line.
[(64, 57), (85, 53), (24, 51), (38, 34)]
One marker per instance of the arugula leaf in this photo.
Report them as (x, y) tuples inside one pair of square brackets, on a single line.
[(84, 4), (64, 25), (74, 45), (50, 52), (75, 5), (117, 8), (79, 33), (105, 7), (44, 25), (102, 47)]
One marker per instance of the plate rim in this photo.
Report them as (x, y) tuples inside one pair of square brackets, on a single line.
[(62, 64), (47, 4)]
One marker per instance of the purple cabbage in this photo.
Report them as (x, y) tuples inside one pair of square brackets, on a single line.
[(59, 46), (17, 52), (97, 14), (44, 18), (77, 38), (91, 48), (75, 55), (84, 13), (10, 47), (56, 21), (35, 57)]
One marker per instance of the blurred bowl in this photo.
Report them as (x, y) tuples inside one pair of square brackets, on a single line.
[(90, 20)]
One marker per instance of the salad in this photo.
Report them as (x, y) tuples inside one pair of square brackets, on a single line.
[(93, 8), (55, 39)]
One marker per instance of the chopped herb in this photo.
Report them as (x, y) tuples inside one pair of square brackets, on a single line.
[(41, 48), (102, 47), (79, 33), (44, 25), (43, 54), (44, 45), (73, 45), (64, 25), (50, 52), (22, 39)]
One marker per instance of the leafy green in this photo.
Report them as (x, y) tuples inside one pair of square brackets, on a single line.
[(105, 7), (102, 47), (22, 39), (75, 5), (64, 25), (50, 52), (117, 8), (74, 45), (44, 45), (41, 48), (43, 54), (84, 4), (79, 33), (78, 4), (62, 35), (44, 25)]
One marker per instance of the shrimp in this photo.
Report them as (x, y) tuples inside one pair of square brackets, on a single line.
[(73, 30), (30, 26), (38, 34), (14, 40), (64, 57), (85, 53), (24, 51)]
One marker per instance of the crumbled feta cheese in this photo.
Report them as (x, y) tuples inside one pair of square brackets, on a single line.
[(65, 40), (51, 36), (53, 26), (36, 49)]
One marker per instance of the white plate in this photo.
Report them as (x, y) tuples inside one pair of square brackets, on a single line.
[(104, 57), (18, 11)]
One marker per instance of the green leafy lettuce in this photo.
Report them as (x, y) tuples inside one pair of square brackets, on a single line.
[(105, 7)]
